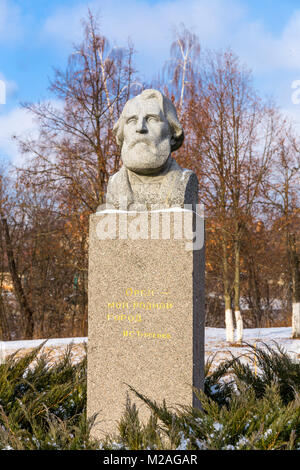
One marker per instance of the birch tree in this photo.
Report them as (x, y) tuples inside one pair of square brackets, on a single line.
[(233, 131), (181, 67), (282, 192)]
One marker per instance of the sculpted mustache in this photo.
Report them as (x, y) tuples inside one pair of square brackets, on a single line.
[(140, 141)]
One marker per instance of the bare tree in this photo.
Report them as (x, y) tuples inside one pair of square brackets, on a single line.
[(75, 152), (181, 68), (67, 168), (233, 132), (283, 197)]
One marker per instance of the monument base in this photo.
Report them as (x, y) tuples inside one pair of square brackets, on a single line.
[(146, 318)]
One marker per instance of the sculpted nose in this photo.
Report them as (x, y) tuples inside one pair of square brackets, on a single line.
[(141, 127)]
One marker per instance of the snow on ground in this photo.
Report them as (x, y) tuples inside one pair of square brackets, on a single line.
[(54, 348), (215, 342), (215, 339), (33, 343)]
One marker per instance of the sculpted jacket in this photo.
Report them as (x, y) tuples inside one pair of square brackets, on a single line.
[(174, 187)]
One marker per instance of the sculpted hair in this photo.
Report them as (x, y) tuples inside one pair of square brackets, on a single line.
[(170, 114)]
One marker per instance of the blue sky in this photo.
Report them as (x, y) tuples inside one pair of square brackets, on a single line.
[(36, 35)]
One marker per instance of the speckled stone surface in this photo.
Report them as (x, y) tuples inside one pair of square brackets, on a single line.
[(146, 324)]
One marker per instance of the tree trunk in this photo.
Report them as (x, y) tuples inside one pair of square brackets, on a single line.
[(296, 320), (295, 287), (237, 312), (228, 311), (239, 326), (4, 327), (25, 310), (229, 325)]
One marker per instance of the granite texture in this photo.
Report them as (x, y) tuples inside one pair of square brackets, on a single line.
[(146, 323)]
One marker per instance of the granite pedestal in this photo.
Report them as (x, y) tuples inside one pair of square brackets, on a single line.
[(146, 313)]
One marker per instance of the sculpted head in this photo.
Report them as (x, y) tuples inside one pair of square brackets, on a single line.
[(148, 131)]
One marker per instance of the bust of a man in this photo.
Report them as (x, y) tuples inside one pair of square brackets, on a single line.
[(148, 131)]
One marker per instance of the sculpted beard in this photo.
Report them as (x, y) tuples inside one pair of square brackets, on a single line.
[(142, 153)]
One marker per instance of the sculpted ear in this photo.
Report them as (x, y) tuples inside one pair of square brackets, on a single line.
[(176, 141)]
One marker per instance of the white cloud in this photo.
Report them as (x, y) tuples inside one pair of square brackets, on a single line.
[(18, 122), (64, 25), (216, 22), (148, 23), (291, 41), (14, 123), (264, 51), (150, 26)]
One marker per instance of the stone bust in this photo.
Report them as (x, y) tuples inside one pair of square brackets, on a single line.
[(148, 131)]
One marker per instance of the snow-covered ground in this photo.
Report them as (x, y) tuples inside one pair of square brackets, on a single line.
[(33, 343), (215, 342)]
